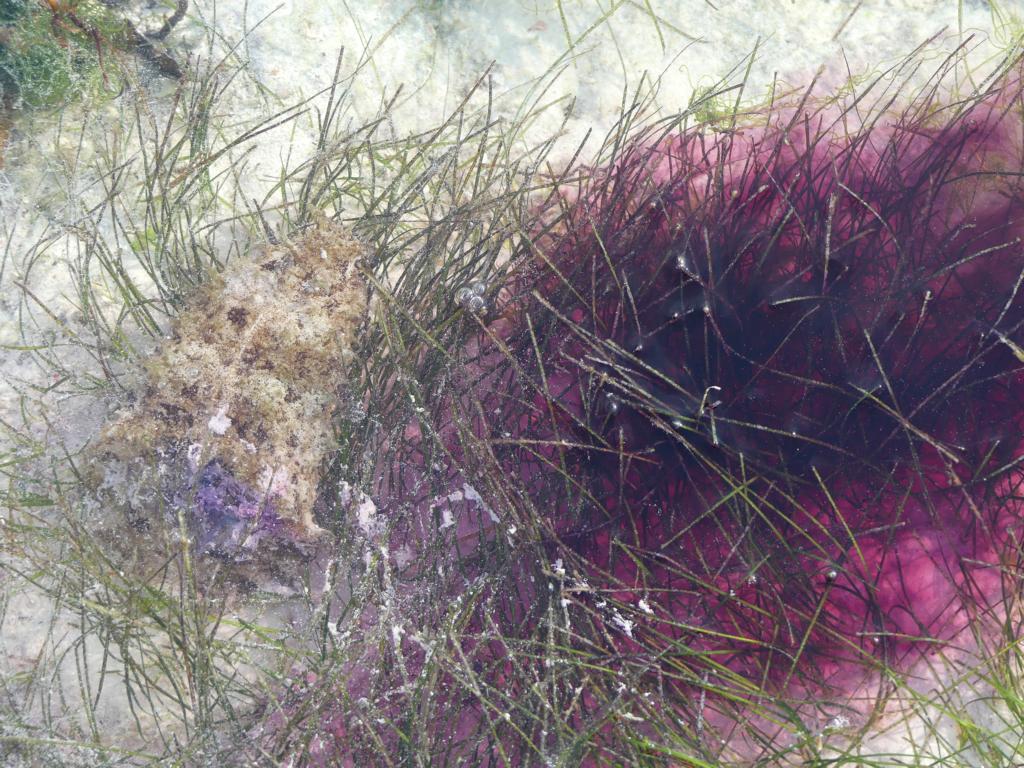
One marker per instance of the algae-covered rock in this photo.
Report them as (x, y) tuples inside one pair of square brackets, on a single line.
[(234, 422)]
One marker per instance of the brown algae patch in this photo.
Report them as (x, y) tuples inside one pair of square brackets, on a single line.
[(234, 421)]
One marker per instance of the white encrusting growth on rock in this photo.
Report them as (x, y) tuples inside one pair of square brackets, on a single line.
[(219, 422)]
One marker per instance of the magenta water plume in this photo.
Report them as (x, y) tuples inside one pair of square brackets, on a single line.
[(782, 366), (747, 413), (788, 359)]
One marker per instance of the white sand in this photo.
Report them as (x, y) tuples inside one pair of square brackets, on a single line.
[(436, 50)]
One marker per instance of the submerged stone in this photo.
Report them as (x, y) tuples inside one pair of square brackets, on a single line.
[(234, 421)]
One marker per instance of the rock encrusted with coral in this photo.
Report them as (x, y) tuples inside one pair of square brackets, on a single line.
[(234, 422)]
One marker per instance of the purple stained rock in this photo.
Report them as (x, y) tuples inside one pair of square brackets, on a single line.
[(230, 517), (249, 378)]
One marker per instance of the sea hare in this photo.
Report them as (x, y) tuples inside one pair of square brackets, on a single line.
[(234, 421)]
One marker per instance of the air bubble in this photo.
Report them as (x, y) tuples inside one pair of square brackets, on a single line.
[(472, 297), (685, 264)]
